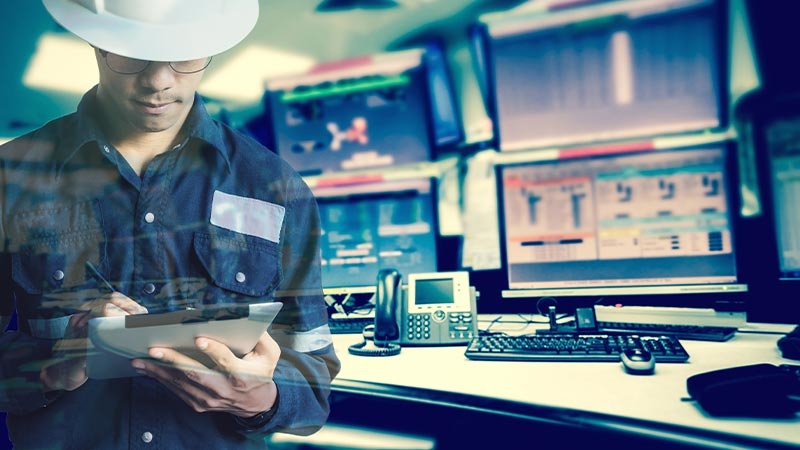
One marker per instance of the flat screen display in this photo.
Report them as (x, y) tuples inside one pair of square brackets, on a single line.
[(351, 115), (374, 226), (775, 232), (658, 221), (783, 147), (446, 124), (616, 70), (434, 291)]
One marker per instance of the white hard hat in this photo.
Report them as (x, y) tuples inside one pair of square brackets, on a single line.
[(158, 30)]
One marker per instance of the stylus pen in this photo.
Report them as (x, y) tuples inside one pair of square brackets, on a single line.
[(99, 277)]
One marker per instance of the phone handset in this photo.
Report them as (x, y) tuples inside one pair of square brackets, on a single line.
[(381, 338), (387, 305)]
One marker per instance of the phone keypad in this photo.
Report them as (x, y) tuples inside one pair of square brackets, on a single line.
[(444, 327), (461, 325), (419, 326)]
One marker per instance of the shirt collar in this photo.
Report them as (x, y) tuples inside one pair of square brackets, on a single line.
[(199, 125)]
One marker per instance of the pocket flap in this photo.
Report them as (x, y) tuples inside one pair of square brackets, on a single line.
[(237, 262)]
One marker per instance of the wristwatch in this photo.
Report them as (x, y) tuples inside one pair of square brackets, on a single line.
[(260, 419)]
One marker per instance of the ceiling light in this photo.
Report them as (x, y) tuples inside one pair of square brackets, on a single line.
[(242, 78), (61, 63)]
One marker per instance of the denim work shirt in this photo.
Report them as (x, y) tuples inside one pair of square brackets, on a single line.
[(218, 219)]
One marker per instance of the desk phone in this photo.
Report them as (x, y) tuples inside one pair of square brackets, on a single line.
[(437, 308)]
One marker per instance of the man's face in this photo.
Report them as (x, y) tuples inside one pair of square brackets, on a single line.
[(154, 100)]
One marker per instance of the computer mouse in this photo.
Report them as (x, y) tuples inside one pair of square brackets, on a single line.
[(637, 361)]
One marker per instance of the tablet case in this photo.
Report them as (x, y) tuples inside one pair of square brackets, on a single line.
[(758, 390), (789, 345)]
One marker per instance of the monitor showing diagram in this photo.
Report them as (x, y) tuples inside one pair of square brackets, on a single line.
[(350, 115), (656, 219), (369, 227)]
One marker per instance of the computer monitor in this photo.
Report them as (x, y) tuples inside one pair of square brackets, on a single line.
[(776, 134), (608, 71), (478, 39), (446, 127), (783, 156), (652, 227), (481, 116), (377, 225), (372, 112)]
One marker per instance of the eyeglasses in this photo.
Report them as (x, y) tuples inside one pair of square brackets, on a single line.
[(131, 66)]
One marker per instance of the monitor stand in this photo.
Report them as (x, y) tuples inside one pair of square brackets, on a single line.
[(670, 315)]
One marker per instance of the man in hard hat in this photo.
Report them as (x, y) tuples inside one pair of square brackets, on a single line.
[(176, 211)]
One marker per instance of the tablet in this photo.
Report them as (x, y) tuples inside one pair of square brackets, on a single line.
[(114, 341)]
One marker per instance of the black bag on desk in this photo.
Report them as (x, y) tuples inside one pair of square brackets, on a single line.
[(759, 390)]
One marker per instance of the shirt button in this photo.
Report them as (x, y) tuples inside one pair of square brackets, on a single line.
[(106, 149), (58, 275), (147, 437), (149, 217), (240, 277), (149, 288)]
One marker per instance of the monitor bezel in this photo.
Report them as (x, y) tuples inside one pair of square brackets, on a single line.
[(519, 24), (774, 297), (723, 297), (408, 64), (370, 288), (436, 66)]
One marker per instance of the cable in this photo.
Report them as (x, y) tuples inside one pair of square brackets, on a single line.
[(367, 346)]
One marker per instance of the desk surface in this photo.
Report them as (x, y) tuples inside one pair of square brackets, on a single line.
[(590, 387)]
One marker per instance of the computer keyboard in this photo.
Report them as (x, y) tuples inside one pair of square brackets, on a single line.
[(688, 332), (571, 347), (349, 324)]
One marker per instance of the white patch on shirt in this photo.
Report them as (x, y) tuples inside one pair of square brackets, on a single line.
[(304, 342), (247, 215)]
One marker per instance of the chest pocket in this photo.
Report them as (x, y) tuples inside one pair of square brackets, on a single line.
[(239, 263), (51, 244)]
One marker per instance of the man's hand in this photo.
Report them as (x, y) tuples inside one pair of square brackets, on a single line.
[(68, 371), (239, 386)]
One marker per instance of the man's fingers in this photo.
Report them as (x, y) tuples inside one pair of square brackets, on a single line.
[(266, 346), (241, 371), (182, 375), (172, 358), (126, 304), (78, 322), (219, 353), (114, 304)]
